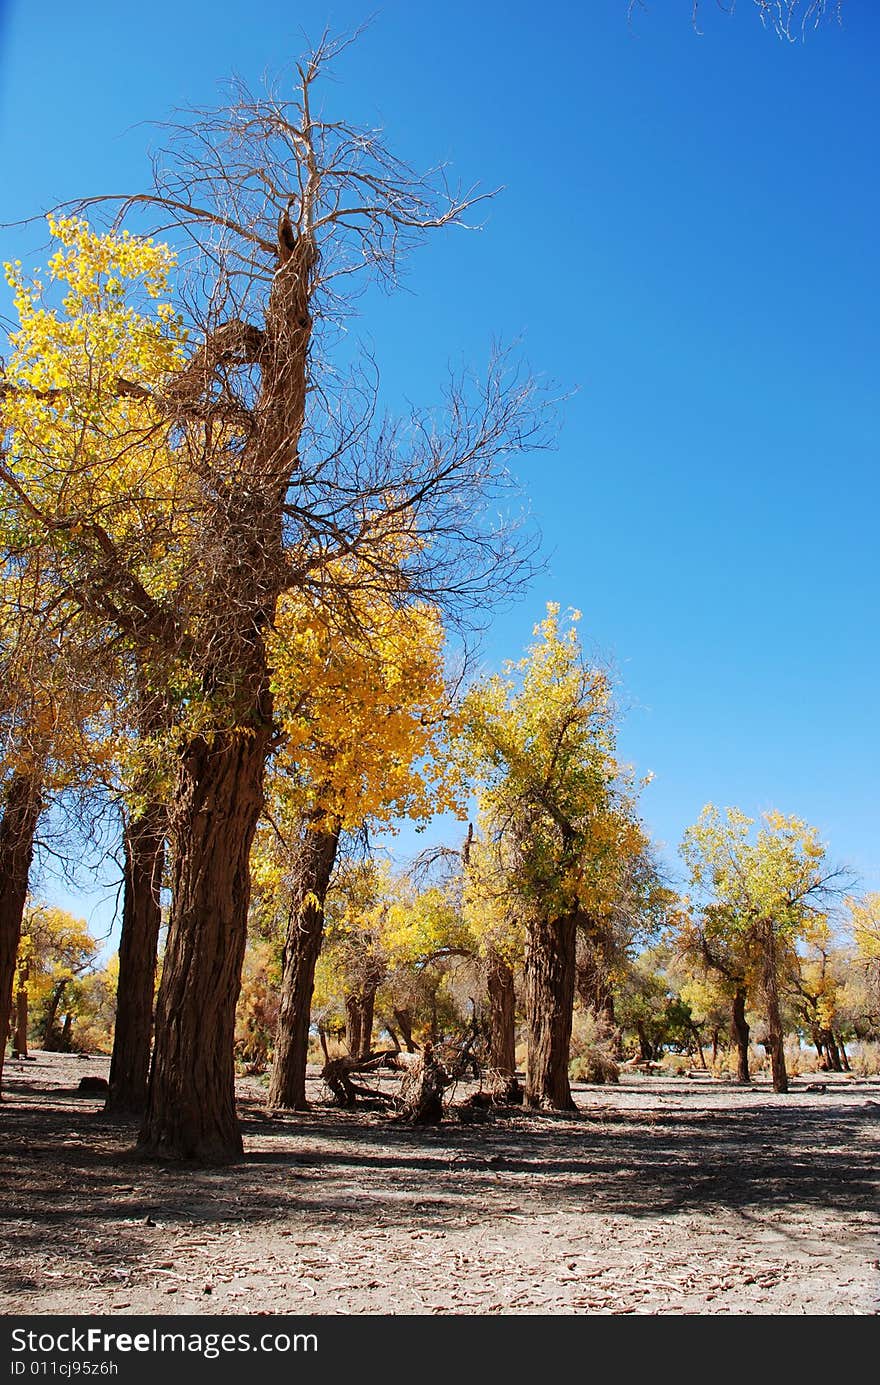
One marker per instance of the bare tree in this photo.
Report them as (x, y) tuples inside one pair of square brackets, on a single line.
[(788, 19)]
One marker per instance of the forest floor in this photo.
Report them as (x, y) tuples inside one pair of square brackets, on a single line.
[(664, 1195)]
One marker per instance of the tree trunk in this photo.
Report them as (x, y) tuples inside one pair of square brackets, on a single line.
[(20, 1037), (302, 946), (844, 1059), (775, 1032), (502, 1027), (739, 1026), (359, 1009), (646, 1048), (353, 1025), (832, 1050), (50, 1042), (144, 847), (421, 1091), (368, 1008), (191, 1095), (404, 1024), (699, 1047), (550, 977), (17, 827)]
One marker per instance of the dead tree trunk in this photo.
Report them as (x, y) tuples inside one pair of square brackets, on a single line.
[(17, 827), (302, 946), (550, 976), (144, 848), (502, 1028), (421, 1091), (740, 1029), (191, 1095)]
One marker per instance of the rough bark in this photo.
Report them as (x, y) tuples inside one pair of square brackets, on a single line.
[(302, 946), (550, 978), (337, 1074), (17, 827), (217, 802), (740, 1029), (422, 1088), (353, 1025), (844, 1057), (404, 1024), (502, 1028), (144, 847), (359, 1010)]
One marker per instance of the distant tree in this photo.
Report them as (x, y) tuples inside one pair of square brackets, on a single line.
[(557, 810), (788, 19), (56, 952), (762, 891)]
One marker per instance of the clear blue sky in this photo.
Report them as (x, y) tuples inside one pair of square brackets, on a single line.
[(688, 237)]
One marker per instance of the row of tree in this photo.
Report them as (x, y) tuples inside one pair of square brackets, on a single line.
[(227, 583), (555, 898)]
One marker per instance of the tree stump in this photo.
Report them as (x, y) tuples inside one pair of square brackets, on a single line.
[(421, 1090)]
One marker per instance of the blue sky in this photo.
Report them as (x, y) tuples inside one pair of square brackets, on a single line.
[(687, 240)]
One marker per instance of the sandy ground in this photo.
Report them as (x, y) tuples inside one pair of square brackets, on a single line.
[(664, 1196)]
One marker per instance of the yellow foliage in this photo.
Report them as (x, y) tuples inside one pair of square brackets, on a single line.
[(364, 709), (556, 805), (865, 923)]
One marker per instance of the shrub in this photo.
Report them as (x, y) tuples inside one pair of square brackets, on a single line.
[(594, 1044)]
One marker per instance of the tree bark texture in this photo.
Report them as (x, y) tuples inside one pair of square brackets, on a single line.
[(17, 828), (740, 1030), (502, 1025), (191, 1094), (302, 947), (144, 847), (550, 978), (359, 1008), (404, 1022)]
